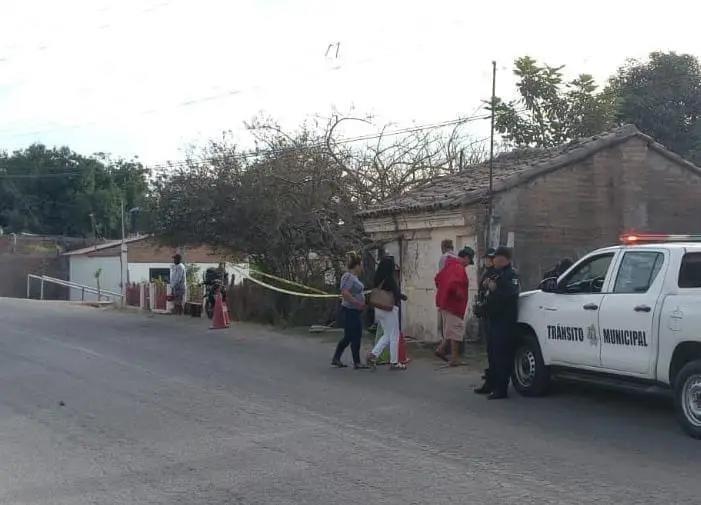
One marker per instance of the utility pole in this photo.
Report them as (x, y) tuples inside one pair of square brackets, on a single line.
[(491, 158), (123, 265), (94, 228)]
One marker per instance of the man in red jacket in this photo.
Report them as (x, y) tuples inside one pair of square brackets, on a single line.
[(451, 297)]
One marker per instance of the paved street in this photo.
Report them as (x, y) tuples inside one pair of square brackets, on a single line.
[(100, 406)]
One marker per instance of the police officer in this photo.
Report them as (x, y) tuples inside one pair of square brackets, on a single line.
[(480, 309), (486, 275), (502, 313)]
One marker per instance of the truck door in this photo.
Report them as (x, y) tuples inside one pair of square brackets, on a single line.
[(571, 314), (628, 312)]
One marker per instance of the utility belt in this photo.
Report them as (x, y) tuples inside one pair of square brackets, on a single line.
[(479, 309)]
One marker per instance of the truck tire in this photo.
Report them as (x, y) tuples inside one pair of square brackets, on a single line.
[(687, 398), (530, 376)]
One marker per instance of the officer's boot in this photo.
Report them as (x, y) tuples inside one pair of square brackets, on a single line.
[(485, 388)]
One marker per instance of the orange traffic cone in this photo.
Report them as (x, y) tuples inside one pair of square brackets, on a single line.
[(220, 320), (403, 355)]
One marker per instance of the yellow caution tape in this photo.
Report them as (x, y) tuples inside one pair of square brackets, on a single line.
[(317, 292), (291, 283), (245, 275)]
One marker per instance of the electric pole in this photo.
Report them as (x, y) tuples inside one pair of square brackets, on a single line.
[(123, 265), (491, 158)]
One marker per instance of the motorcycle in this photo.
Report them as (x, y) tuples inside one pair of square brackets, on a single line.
[(213, 280)]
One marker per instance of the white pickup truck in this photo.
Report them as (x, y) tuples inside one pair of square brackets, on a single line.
[(629, 313)]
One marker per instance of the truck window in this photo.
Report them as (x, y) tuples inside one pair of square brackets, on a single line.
[(638, 271), (690, 271), (587, 277)]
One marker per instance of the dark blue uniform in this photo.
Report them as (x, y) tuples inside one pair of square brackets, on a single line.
[(502, 314), (482, 294)]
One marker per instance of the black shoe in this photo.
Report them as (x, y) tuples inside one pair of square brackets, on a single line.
[(360, 366), (497, 396), (484, 389), (338, 364)]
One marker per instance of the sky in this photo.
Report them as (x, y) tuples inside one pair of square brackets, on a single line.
[(151, 78)]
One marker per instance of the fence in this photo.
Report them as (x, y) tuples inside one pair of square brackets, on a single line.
[(151, 296), (45, 279)]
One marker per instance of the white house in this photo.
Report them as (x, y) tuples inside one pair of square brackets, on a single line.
[(146, 261)]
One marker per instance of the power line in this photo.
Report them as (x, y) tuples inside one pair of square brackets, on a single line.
[(42, 47), (39, 176), (72, 174), (342, 141), (258, 153), (189, 102)]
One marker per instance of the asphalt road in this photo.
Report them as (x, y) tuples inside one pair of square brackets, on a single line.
[(99, 406)]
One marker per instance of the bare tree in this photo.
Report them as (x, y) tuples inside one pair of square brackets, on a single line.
[(294, 197), (391, 165)]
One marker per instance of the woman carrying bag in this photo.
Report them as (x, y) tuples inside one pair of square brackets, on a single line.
[(385, 298)]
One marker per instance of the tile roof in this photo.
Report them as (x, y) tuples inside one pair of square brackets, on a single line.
[(510, 169)]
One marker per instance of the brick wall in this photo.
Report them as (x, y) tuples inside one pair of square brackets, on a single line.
[(32, 254), (575, 209), (14, 269)]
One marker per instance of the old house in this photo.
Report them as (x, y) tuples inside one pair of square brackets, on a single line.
[(547, 204)]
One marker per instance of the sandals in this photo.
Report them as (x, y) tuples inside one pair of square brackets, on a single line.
[(371, 360), (397, 366), (441, 355)]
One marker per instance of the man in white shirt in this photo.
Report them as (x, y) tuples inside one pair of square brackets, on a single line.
[(177, 283), (447, 250)]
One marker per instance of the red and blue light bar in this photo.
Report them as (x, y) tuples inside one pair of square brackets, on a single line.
[(653, 238)]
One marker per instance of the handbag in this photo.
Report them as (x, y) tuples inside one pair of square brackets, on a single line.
[(381, 299)]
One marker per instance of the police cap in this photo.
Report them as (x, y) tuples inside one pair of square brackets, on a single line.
[(503, 251)]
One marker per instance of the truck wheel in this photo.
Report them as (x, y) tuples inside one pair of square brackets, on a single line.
[(530, 376), (687, 398)]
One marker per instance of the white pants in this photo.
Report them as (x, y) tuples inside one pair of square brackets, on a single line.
[(389, 320)]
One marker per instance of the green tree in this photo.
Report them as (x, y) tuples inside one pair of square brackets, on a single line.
[(550, 110), (57, 191), (662, 97)]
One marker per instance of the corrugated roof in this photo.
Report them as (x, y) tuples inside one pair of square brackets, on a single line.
[(105, 245), (510, 169)]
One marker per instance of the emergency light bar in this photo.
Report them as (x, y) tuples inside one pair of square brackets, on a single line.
[(650, 238)]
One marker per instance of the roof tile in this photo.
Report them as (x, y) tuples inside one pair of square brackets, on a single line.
[(509, 168)]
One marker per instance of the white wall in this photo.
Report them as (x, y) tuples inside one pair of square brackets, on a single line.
[(82, 271), (420, 257)]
